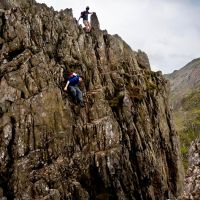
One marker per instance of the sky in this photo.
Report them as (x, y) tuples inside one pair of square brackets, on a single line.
[(167, 30)]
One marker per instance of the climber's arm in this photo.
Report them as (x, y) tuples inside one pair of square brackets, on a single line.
[(66, 86)]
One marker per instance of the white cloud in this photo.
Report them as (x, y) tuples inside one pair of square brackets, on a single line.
[(167, 30)]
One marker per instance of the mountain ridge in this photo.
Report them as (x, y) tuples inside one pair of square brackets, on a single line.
[(183, 81), (185, 101)]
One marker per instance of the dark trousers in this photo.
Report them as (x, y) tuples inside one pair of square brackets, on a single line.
[(76, 93)]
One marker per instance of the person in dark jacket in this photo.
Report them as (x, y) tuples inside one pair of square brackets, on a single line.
[(72, 86), (84, 15)]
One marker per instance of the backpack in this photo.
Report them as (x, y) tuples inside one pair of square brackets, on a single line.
[(71, 75), (67, 75)]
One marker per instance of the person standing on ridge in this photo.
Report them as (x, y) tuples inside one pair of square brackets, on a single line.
[(84, 15), (72, 86)]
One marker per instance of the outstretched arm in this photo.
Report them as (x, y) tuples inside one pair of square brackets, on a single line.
[(66, 86)]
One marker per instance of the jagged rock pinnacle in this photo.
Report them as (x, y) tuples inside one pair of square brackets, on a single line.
[(95, 22), (121, 145)]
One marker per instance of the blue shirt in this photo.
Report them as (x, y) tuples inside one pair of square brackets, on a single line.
[(74, 80), (85, 15)]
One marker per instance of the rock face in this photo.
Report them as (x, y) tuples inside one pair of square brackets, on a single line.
[(192, 179), (121, 145)]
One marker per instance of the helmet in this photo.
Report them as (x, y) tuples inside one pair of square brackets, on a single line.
[(87, 8)]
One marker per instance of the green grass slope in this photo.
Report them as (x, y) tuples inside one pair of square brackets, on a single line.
[(187, 121), (185, 103)]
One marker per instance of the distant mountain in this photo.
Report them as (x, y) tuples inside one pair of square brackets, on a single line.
[(185, 102), (183, 81)]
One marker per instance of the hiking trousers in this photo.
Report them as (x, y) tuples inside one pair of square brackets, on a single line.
[(76, 93)]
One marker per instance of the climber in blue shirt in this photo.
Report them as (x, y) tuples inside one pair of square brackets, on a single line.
[(72, 86), (84, 15)]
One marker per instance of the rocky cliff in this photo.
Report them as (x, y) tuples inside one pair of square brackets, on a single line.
[(192, 179), (121, 145)]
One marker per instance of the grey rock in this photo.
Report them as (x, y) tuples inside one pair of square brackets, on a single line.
[(192, 178)]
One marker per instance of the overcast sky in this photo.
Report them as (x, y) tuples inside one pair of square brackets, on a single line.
[(167, 30)]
